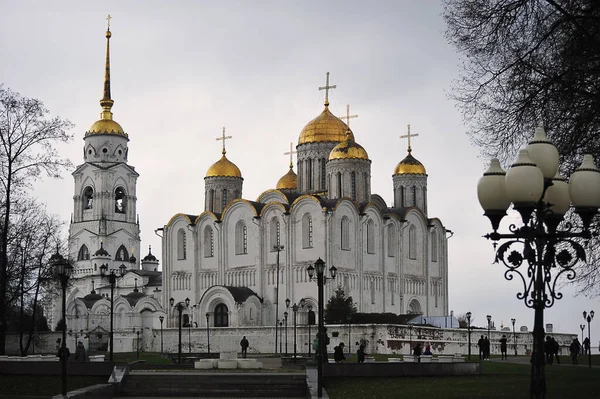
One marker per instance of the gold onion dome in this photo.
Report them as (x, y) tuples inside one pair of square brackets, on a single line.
[(410, 166), (348, 149), (106, 124), (289, 181), (223, 168), (324, 128)]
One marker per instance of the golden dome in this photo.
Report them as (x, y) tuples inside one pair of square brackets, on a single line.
[(348, 149), (106, 126), (410, 166), (289, 181), (223, 168), (324, 128)]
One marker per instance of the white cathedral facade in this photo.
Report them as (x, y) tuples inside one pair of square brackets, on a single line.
[(238, 260)]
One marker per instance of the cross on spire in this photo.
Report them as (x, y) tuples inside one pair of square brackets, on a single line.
[(326, 88), (348, 116), (408, 136), (291, 154), (108, 18), (223, 137)]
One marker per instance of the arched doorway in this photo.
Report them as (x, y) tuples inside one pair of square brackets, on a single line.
[(414, 307), (221, 316)]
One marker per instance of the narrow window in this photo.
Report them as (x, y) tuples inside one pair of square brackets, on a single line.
[(224, 200), (88, 198), (181, 244), (339, 185), (391, 240), (345, 233), (401, 196), (412, 242), (307, 233), (346, 284), (434, 247), (353, 184), (209, 242), (323, 172), (211, 200), (84, 253), (372, 291), (275, 233), (120, 205), (414, 195), (309, 164), (392, 293), (300, 174), (122, 254), (371, 237), (241, 238)]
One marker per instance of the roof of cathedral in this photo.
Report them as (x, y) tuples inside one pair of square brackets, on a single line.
[(223, 168), (289, 181), (324, 128), (240, 294), (154, 277), (150, 257), (133, 297), (106, 124), (348, 149), (410, 166), (91, 298), (101, 251)]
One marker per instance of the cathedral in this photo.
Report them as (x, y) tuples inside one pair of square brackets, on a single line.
[(242, 262)]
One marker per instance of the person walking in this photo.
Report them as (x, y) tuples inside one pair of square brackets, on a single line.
[(486, 348), (338, 353), (360, 354), (244, 344), (481, 344), (555, 350), (549, 350), (574, 349), (586, 346), (503, 347)]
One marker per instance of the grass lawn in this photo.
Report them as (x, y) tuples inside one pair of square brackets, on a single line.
[(44, 384), (498, 380)]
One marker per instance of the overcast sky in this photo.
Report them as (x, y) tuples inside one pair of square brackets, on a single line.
[(180, 71)]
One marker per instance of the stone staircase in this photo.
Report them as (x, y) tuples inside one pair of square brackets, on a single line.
[(222, 384)]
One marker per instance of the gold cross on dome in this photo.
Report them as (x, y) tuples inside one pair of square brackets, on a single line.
[(291, 154), (326, 88), (108, 18), (348, 116), (408, 136), (223, 137)]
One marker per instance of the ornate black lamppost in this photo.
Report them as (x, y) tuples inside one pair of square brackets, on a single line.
[(63, 271), (113, 275), (321, 279), (277, 248), (295, 310), (208, 333), (582, 327), (410, 327), (310, 340), (489, 320), (514, 334), (469, 333), (285, 316), (161, 319), (280, 335), (180, 306), (588, 318), (542, 197)]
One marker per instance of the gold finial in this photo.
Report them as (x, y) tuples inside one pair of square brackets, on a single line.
[(348, 116), (223, 137), (291, 154), (408, 136), (106, 101), (326, 88)]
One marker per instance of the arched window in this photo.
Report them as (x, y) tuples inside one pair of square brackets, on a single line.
[(122, 254), (414, 195), (181, 244), (241, 238), (307, 231), (339, 185), (186, 320), (209, 242), (401, 196), (345, 233), (309, 173), (391, 236), (372, 291), (434, 246), (370, 236), (323, 172), (412, 242), (120, 201), (300, 172), (221, 316), (275, 233), (84, 253), (88, 198), (224, 200), (353, 185), (414, 307), (211, 200)]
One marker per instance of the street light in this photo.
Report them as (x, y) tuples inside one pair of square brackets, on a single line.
[(277, 248), (410, 327), (190, 330), (208, 333), (534, 187), (514, 334), (180, 306), (588, 318), (285, 316), (280, 335), (309, 308), (295, 310), (469, 333), (321, 279), (582, 326), (161, 319), (63, 271), (113, 275)]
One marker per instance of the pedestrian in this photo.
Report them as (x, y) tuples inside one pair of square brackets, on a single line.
[(481, 344), (80, 352), (555, 350), (486, 348), (244, 344), (503, 347), (549, 350), (417, 351), (586, 346), (574, 349), (66, 353), (428, 350), (338, 353), (360, 354)]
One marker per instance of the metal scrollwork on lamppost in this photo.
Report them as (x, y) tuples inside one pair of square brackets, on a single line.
[(546, 246), (113, 276), (588, 317), (179, 306)]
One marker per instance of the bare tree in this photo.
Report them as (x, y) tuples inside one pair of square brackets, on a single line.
[(27, 139)]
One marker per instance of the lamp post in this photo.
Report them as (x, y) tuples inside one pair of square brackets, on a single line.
[(349, 318), (582, 326), (179, 306), (285, 316), (588, 318), (190, 330), (309, 307), (410, 327), (321, 279), (113, 275), (63, 271), (469, 333), (489, 320), (277, 248), (513, 321), (208, 333), (280, 335), (534, 187), (295, 310), (161, 319)]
